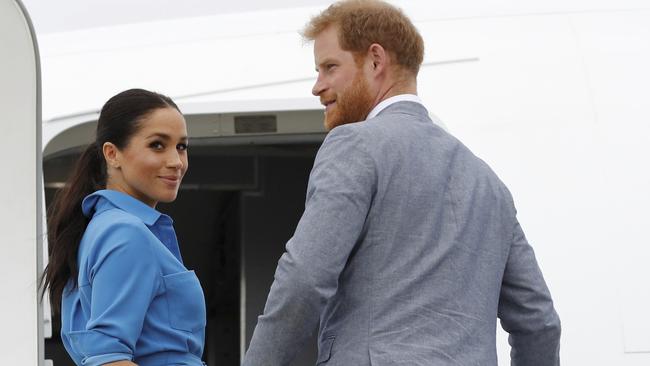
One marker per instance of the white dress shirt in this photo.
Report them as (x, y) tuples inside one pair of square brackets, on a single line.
[(398, 98)]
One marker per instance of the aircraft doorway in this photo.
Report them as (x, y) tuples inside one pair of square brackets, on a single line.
[(238, 206)]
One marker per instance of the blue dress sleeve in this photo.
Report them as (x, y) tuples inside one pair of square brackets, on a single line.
[(124, 276)]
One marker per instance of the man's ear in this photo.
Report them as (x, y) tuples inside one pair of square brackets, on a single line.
[(111, 155), (378, 57)]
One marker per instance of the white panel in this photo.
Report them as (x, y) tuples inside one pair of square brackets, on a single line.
[(19, 189), (617, 58), (181, 57), (422, 10)]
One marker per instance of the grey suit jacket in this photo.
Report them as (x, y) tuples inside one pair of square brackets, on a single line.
[(407, 252)]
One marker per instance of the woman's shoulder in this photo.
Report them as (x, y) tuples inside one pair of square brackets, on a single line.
[(115, 238), (115, 219), (114, 228)]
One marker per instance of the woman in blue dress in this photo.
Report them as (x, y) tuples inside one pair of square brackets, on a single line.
[(115, 271)]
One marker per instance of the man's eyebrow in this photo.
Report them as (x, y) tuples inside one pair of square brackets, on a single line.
[(324, 62)]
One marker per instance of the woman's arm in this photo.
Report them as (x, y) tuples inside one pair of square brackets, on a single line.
[(124, 277), (120, 363)]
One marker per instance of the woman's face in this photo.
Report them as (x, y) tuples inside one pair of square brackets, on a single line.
[(153, 163)]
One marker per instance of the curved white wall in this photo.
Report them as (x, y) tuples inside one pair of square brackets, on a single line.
[(20, 191)]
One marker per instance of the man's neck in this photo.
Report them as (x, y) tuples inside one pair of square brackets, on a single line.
[(397, 88), (391, 100)]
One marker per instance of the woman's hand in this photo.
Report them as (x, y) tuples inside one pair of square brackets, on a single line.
[(120, 363)]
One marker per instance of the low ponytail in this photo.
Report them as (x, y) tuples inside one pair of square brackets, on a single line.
[(66, 222)]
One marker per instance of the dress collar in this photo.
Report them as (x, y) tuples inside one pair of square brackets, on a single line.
[(123, 201)]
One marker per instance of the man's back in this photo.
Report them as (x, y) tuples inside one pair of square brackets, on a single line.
[(423, 283), (408, 249)]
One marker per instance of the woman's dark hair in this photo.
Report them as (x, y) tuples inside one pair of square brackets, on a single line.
[(118, 121)]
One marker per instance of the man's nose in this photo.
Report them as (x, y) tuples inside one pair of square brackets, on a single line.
[(318, 88)]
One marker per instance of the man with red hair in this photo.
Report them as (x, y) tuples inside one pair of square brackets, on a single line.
[(409, 247)]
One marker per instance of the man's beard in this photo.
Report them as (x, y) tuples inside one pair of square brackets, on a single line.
[(353, 105)]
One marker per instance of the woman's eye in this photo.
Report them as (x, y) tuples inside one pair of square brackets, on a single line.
[(156, 145), (182, 147)]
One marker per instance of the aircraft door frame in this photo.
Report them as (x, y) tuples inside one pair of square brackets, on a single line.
[(21, 189)]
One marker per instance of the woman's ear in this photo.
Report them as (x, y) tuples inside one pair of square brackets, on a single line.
[(111, 155)]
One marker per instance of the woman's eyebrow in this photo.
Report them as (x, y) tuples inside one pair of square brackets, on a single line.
[(165, 136), (160, 135)]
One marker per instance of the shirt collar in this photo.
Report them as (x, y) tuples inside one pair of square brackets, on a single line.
[(392, 100), (123, 201)]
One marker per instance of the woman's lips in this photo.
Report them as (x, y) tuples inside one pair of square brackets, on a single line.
[(170, 179)]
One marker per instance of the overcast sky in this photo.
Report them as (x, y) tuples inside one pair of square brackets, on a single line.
[(51, 16)]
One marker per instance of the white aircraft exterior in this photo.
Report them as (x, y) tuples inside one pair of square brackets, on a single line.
[(553, 95)]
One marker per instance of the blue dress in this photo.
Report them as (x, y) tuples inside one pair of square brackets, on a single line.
[(135, 299)]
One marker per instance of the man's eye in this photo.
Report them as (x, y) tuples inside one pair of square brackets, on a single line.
[(330, 66)]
